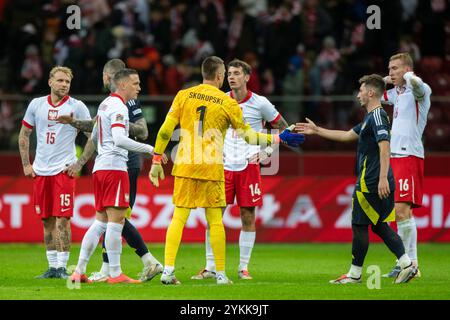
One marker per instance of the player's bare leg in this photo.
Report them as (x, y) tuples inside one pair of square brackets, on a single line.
[(50, 246), (246, 241), (63, 239), (113, 243)]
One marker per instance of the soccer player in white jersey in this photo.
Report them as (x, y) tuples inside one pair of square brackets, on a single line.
[(137, 130), (111, 182), (411, 99), (53, 189), (241, 164)]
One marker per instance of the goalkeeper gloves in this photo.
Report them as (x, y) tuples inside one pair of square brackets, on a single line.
[(156, 171), (291, 139)]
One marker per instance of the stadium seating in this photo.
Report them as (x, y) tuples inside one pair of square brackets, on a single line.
[(437, 136)]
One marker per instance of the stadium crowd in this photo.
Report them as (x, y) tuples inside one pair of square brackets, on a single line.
[(295, 47)]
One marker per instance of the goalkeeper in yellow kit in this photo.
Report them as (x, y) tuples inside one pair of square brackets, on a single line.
[(204, 113)]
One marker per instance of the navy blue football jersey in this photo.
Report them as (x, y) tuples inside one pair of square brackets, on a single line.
[(134, 113), (374, 128)]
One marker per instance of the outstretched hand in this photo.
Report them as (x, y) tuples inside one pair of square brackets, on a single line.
[(307, 127)]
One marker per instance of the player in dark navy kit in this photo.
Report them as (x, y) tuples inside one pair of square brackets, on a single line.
[(373, 198), (138, 131)]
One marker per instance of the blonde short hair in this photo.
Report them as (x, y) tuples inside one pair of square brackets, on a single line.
[(65, 70), (404, 57), (210, 66)]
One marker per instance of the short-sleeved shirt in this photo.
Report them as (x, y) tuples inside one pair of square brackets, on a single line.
[(204, 113), (55, 141), (257, 110), (374, 128), (112, 112), (134, 114)]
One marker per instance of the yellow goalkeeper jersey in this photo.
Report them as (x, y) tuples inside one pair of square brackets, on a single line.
[(204, 113)]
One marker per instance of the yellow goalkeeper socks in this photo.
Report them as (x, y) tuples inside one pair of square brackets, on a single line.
[(173, 235), (217, 236)]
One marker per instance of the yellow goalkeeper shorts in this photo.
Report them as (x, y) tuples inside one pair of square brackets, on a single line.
[(193, 193)]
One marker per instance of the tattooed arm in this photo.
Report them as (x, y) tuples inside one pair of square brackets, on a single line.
[(281, 124), (82, 125), (89, 150), (24, 148), (139, 129)]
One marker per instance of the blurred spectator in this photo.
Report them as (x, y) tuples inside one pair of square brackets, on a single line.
[(293, 86), (408, 45), (284, 20), (327, 62), (93, 11), (6, 119), (388, 35), (160, 27), (254, 84), (267, 83), (254, 8), (242, 34), (316, 24), (409, 8), (433, 17), (31, 71), (173, 78)]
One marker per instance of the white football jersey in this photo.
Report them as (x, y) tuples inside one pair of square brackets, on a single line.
[(257, 110), (55, 147), (112, 112), (409, 120)]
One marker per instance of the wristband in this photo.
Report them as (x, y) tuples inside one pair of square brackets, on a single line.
[(157, 158)]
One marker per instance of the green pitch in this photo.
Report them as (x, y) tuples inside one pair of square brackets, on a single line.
[(280, 271)]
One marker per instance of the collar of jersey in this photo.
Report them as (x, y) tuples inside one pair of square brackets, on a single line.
[(400, 88), (247, 97), (380, 107), (117, 96), (49, 100)]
